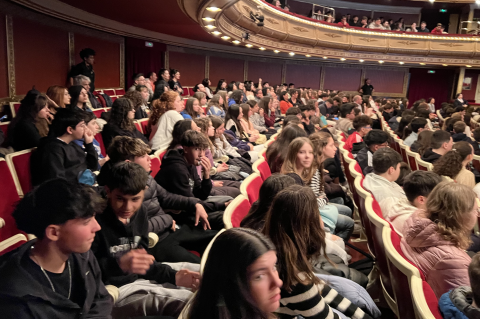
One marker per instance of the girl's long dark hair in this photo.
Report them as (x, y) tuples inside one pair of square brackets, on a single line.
[(224, 291), (119, 117), (255, 218)]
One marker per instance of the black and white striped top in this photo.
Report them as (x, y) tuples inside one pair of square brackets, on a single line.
[(316, 302)]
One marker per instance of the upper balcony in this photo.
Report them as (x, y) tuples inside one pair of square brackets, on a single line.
[(287, 32)]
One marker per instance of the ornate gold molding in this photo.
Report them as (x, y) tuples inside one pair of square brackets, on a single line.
[(122, 63), (10, 58), (71, 49)]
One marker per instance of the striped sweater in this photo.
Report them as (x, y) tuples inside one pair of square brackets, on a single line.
[(316, 302)]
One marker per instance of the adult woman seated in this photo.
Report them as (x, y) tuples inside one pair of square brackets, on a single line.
[(22, 132), (435, 239), (121, 122)]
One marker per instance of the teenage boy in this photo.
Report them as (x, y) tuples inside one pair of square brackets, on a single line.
[(120, 248), (374, 140), (55, 275), (178, 173), (440, 144), (417, 125), (362, 125), (386, 170), (417, 186), (347, 113), (174, 241), (57, 156), (463, 302)]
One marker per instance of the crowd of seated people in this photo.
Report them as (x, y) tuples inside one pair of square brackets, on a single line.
[(378, 23), (296, 263)]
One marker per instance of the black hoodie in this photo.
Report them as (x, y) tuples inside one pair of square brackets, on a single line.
[(430, 156), (23, 296), (56, 159), (116, 239), (156, 198)]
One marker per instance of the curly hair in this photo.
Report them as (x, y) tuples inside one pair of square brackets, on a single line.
[(448, 206), (119, 117), (162, 105), (135, 97), (450, 164)]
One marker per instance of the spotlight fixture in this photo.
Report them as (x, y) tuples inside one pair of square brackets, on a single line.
[(208, 19), (216, 33), (381, 61), (236, 42), (343, 59), (262, 48), (225, 37), (248, 45), (276, 51), (401, 62), (210, 27), (257, 18), (361, 60), (292, 53), (307, 55), (214, 9)]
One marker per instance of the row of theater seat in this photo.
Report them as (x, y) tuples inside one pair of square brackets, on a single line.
[(417, 299)]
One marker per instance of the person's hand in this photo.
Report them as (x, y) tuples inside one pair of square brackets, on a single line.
[(174, 224), (188, 279), (217, 183), (136, 261), (206, 167), (222, 168), (201, 214), (88, 136)]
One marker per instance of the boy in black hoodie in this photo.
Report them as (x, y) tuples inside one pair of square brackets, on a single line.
[(174, 240), (121, 245), (55, 275), (178, 173), (57, 156)]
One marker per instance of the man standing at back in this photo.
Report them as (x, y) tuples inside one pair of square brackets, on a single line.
[(85, 67)]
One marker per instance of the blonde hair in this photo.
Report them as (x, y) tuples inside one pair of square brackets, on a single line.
[(289, 165), (448, 206)]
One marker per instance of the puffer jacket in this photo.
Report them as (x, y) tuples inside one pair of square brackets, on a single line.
[(445, 266)]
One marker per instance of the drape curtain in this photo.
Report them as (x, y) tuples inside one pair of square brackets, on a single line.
[(142, 59), (425, 85)]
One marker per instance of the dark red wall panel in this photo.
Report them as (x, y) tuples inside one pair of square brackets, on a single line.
[(191, 67), (387, 81), (41, 55), (345, 79), (225, 68), (3, 59), (107, 59), (271, 72), (303, 75)]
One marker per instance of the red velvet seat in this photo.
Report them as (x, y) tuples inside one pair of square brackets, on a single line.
[(261, 167), (119, 92), (4, 127), (98, 112), (250, 187), (19, 164), (109, 92), (99, 138), (156, 163), (236, 211)]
